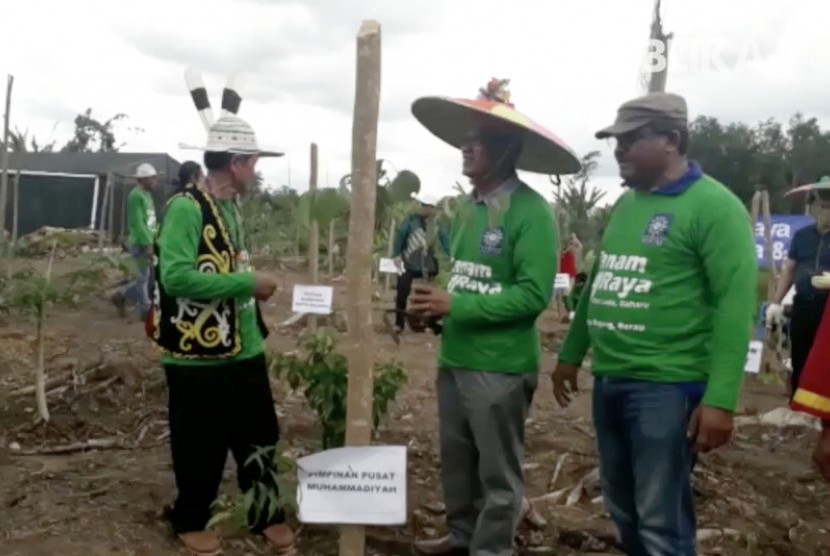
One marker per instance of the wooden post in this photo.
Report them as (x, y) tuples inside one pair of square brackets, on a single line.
[(657, 79), (111, 213), (105, 212), (16, 206), (387, 279), (330, 250), (360, 337), (314, 233), (4, 177)]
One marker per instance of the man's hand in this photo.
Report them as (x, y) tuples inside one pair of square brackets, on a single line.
[(709, 428), (821, 281), (264, 286), (429, 300), (821, 455), (398, 263), (565, 382), (774, 315)]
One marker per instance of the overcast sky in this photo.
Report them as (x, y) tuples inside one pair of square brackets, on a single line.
[(570, 64)]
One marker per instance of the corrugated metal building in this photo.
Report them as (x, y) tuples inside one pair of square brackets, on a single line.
[(69, 190)]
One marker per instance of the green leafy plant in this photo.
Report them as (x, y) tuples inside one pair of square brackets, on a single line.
[(262, 500), (322, 374)]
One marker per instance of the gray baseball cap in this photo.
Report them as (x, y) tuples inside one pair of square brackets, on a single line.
[(646, 109)]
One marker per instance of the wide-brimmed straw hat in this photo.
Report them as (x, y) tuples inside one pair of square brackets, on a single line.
[(821, 185), (452, 119)]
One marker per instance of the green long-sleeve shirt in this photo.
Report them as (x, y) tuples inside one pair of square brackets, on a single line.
[(178, 248), (501, 280), (671, 297), (141, 218)]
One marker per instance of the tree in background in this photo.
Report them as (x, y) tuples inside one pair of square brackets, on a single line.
[(577, 204), (93, 135), (767, 155), (90, 135), (20, 142)]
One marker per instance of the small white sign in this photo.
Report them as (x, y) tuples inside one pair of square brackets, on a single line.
[(363, 485), (562, 282), (315, 300), (388, 266), (753, 357)]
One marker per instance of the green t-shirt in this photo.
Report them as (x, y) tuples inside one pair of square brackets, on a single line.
[(141, 218), (179, 246), (671, 298), (502, 276)]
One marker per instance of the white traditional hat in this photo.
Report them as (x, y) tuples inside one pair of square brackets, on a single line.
[(145, 170), (230, 133)]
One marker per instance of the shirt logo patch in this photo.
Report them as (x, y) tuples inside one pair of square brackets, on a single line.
[(657, 229), (491, 241)]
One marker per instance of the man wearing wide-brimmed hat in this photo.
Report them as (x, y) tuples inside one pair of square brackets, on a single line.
[(207, 321), (668, 312), (141, 227), (504, 246), (808, 256)]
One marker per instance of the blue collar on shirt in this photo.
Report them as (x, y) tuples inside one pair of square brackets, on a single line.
[(680, 185)]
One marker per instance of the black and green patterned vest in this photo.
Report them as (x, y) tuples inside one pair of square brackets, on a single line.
[(200, 328)]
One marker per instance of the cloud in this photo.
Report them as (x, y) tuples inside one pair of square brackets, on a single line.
[(570, 63)]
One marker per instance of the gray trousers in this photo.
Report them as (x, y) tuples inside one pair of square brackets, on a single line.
[(482, 425)]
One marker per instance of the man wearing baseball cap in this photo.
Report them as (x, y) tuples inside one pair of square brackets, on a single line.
[(667, 311), (141, 227)]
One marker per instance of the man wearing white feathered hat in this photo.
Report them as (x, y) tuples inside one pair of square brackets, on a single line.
[(207, 321), (141, 226)]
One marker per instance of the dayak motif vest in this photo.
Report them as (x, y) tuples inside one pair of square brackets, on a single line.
[(200, 328)]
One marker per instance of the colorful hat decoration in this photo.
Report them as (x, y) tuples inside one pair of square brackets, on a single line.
[(229, 133), (451, 120)]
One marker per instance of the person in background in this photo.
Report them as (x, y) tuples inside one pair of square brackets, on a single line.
[(572, 299), (190, 175), (568, 257), (414, 257), (501, 237), (809, 256), (668, 314), (141, 226), (207, 321)]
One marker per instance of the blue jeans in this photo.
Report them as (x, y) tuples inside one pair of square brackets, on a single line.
[(645, 463), (137, 290)]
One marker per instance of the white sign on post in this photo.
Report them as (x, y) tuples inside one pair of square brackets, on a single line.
[(315, 300), (753, 357), (388, 266), (355, 485), (562, 282)]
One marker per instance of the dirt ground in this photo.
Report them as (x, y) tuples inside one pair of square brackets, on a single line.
[(758, 496)]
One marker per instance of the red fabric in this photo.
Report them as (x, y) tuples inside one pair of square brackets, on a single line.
[(814, 383), (148, 324), (567, 264)]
